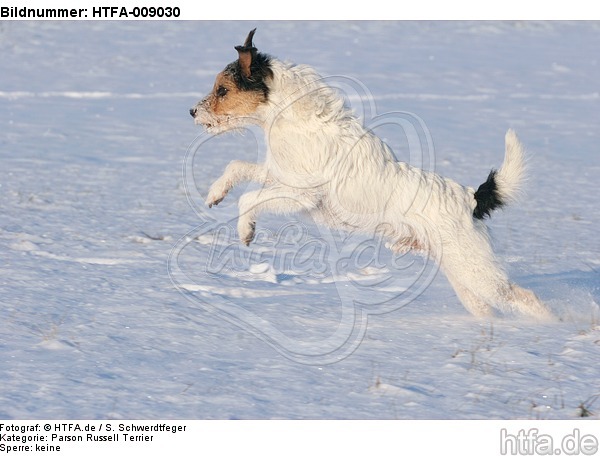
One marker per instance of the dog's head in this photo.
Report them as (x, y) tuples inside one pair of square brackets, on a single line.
[(239, 90)]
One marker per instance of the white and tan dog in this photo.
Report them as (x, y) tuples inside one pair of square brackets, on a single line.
[(322, 160)]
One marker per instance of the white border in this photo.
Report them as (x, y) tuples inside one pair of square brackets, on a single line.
[(371, 10), (305, 438)]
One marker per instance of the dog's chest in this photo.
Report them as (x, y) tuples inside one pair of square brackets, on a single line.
[(291, 158)]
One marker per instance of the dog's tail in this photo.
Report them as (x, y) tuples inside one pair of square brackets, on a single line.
[(502, 186)]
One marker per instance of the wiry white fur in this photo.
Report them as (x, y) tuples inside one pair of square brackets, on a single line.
[(512, 173), (321, 160)]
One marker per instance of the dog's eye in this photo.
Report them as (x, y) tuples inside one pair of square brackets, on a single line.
[(221, 91)]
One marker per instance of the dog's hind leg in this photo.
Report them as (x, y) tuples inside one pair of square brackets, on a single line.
[(480, 284), (470, 300), (467, 260)]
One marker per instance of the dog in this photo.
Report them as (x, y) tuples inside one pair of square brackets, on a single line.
[(322, 160)]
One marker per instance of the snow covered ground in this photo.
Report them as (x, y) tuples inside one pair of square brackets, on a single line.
[(121, 296)]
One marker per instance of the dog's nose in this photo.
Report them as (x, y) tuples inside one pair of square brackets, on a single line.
[(193, 112)]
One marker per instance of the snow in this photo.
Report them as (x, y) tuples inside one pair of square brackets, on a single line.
[(122, 296)]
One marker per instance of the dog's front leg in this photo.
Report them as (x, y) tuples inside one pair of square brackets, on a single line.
[(275, 199), (236, 171)]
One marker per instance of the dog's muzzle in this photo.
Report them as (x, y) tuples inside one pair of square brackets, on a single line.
[(202, 116), (200, 106)]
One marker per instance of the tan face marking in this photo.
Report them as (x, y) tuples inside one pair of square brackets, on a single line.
[(227, 99)]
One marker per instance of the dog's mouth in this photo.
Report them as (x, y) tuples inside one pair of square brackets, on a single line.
[(213, 123), (216, 124)]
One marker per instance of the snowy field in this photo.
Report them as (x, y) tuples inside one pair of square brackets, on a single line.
[(122, 296)]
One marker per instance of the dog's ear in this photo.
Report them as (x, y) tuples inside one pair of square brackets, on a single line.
[(247, 53)]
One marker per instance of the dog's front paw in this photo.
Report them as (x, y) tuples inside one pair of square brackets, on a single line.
[(217, 193), (246, 230)]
